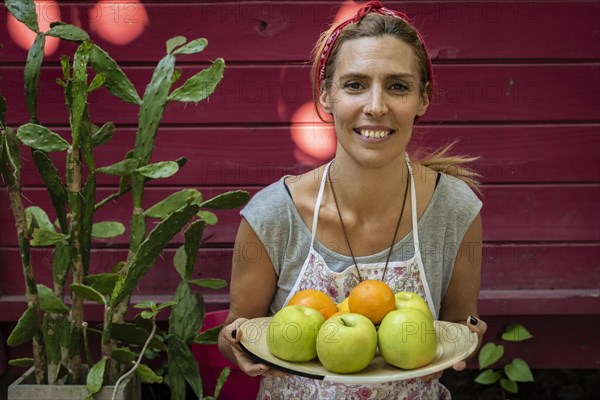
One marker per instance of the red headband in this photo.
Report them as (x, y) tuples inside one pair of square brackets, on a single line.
[(370, 7)]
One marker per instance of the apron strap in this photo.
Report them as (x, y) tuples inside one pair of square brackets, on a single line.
[(413, 202), (318, 204)]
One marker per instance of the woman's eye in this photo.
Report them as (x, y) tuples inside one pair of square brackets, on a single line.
[(353, 86), (400, 87)]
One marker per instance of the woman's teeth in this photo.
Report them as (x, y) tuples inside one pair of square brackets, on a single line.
[(374, 134)]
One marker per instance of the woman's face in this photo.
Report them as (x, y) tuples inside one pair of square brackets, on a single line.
[(374, 99)]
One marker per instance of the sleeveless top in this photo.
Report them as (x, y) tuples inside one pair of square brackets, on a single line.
[(274, 218)]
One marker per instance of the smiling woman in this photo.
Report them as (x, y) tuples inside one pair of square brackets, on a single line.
[(351, 220)]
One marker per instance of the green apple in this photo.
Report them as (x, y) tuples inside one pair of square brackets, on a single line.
[(412, 300), (292, 333), (347, 343), (407, 338)]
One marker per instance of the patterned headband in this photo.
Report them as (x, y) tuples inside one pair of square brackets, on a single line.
[(370, 7)]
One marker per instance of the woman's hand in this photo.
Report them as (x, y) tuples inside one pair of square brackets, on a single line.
[(232, 335), (475, 325)]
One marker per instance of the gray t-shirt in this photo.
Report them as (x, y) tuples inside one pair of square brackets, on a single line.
[(274, 218)]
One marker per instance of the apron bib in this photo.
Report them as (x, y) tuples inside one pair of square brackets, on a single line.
[(406, 275)]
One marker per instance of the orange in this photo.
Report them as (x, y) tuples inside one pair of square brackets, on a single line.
[(343, 306), (373, 299), (315, 299)]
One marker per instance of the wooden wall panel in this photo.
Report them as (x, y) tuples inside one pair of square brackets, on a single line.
[(269, 30), (272, 94), (554, 213), (257, 156)]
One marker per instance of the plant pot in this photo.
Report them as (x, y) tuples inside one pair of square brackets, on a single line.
[(238, 386), (24, 388)]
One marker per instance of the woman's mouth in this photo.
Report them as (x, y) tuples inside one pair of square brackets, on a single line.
[(374, 133)]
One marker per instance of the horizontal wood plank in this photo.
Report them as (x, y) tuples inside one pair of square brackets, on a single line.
[(259, 156), (512, 213), (518, 267), (268, 30), (277, 94)]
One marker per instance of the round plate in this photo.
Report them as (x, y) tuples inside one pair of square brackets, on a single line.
[(455, 342)]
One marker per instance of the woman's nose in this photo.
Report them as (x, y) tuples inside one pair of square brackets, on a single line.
[(375, 105)]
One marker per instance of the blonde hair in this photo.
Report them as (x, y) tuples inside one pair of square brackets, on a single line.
[(374, 25)]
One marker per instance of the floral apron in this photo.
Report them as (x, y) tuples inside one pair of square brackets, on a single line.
[(315, 274)]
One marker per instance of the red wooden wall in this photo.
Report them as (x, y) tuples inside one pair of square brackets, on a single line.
[(518, 84)]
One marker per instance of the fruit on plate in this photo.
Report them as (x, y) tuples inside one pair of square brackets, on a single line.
[(412, 300), (407, 338), (347, 343), (292, 333), (343, 306), (315, 299), (373, 299)]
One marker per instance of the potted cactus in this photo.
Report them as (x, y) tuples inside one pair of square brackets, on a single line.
[(54, 318)]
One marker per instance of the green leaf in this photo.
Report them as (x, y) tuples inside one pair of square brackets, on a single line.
[(195, 46), (95, 377), (518, 370), (104, 134), (25, 329), (116, 80), (516, 333), (21, 362), (41, 138), (122, 168), (509, 386), (51, 328), (103, 283), (97, 82), (88, 293), (173, 202), (228, 200), (146, 374), (489, 354), (209, 217), (68, 32), (23, 11), (179, 261), (201, 85), (175, 42), (187, 316), (151, 248), (133, 334), (175, 77), (488, 377), (188, 366), (148, 314), (42, 237), (33, 67), (166, 304), (211, 283), (193, 239), (41, 218), (175, 379), (60, 263), (49, 302), (221, 381), (209, 336), (159, 170), (107, 229), (123, 355), (56, 189), (145, 304)]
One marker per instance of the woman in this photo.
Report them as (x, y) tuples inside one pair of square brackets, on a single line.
[(332, 227)]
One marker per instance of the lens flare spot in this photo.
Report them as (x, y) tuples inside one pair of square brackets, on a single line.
[(47, 12), (315, 140), (118, 22)]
